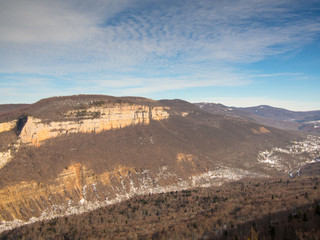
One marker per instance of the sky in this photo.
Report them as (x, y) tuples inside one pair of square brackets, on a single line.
[(238, 53)]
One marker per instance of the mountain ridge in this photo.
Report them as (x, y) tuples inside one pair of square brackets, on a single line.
[(307, 121)]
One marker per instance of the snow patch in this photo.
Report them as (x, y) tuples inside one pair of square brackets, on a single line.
[(311, 146), (147, 183), (82, 201)]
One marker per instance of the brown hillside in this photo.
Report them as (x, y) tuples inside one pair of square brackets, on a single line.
[(11, 107), (212, 138), (71, 154)]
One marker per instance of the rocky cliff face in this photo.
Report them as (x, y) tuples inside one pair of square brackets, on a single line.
[(7, 126), (92, 120), (77, 189), (5, 157)]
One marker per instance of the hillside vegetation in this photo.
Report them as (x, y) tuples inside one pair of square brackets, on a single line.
[(70, 155), (247, 209)]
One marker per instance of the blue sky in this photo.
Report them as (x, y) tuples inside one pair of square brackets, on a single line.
[(238, 53)]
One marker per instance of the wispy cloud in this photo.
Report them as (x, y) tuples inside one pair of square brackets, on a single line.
[(146, 46), (120, 37), (278, 74), (54, 22)]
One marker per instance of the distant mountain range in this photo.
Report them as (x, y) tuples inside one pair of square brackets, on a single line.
[(308, 121)]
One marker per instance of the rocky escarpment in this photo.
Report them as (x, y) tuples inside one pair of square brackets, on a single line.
[(33, 131), (7, 126), (77, 189), (5, 157), (92, 120)]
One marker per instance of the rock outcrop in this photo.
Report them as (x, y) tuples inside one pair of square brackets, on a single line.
[(28, 199), (5, 157), (7, 126), (77, 189), (92, 120)]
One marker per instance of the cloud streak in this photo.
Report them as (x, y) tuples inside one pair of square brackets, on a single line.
[(148, 46), (162, 34)]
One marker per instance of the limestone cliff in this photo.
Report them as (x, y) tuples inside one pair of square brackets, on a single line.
[(78, 189), (7, 126), (74, 187), (5, 157), (28, 199), (92, 120)]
